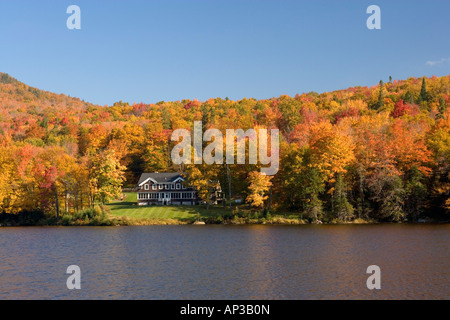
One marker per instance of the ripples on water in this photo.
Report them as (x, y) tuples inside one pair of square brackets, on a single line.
[(226, 262)]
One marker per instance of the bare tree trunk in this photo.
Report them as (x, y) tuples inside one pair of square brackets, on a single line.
[(76, 201), (229, 183), (332, 204), (270, 199), (81, 200), (57, 204), (66, 201)]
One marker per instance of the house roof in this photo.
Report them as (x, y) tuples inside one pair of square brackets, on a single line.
[(163, 177)]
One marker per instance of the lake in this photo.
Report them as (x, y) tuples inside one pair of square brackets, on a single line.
[(226, 262)]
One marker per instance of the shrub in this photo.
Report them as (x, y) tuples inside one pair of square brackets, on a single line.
[(66, 220)]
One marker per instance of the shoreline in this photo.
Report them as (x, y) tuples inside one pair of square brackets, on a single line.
[(103, 216), (174, 222)]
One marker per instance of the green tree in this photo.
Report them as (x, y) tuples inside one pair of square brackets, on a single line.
[(302, 183), (313, 186), (442, 107), (408, 97), (388, 194), (380, 102), (416, 193), (423, 96), (342, 208)]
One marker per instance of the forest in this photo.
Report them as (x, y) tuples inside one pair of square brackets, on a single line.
[(379, 153)]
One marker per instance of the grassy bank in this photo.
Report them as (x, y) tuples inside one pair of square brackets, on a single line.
[(129, 209), (127, 213)]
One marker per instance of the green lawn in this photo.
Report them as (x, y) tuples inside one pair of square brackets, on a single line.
[(129, 208), (129, 212)]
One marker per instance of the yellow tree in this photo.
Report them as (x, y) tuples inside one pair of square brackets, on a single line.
[(259, 186), (106, 176), (24, 188), (7, 176), (204, 179), (332, 152)]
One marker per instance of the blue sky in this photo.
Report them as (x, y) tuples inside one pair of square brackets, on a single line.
[(148, 51)]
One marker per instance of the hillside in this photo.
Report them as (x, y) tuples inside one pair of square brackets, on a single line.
[(380, 152), (19, 98)]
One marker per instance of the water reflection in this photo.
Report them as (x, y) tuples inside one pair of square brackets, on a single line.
[(226, 262)]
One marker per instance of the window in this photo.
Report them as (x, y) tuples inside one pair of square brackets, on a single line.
[(160, 186), (146, 187), (187, 195), (172, 186), (184, 187), (167, 187), (153, 186), (178, 186), (143, 196)]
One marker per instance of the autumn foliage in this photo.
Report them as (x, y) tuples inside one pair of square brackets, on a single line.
[(344, 154)]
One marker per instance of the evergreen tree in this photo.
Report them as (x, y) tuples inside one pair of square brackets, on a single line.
[(313, 186), (205, 117), (423, 96), (380, 102), (166, 120), (343, 209), (212, 114), (408, 97), (442, 107), (415, 192)]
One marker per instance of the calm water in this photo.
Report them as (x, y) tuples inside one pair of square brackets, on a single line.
[(226, 262)]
